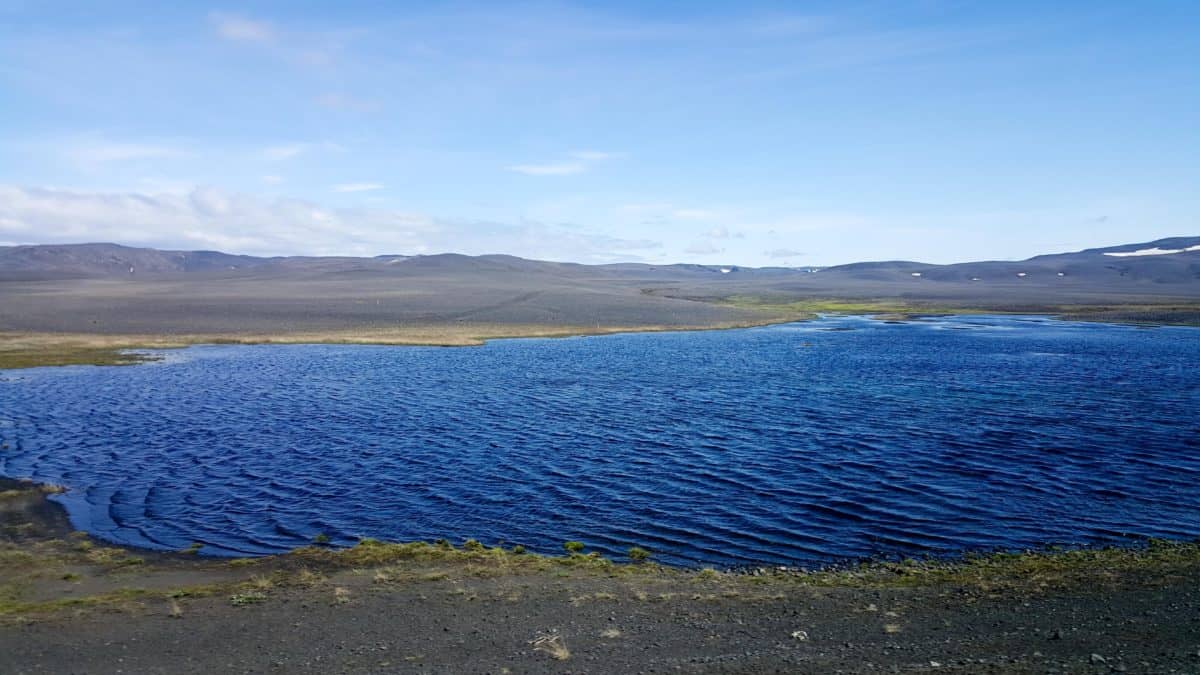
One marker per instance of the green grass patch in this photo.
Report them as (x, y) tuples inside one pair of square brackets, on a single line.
[(788, 306), (247, 598), (1028, 570), (811, 307), (111, 557), (11, 606)]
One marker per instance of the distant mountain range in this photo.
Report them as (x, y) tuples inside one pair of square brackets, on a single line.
[(1165, 261), (1171, 261), (106, 288)]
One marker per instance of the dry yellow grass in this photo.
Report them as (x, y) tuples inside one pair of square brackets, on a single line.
[(551, 644), (25, 350)]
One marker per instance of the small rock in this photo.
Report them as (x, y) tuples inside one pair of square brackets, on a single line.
[(1057, 634), (800, 634), (934, 664), (1096, 658)]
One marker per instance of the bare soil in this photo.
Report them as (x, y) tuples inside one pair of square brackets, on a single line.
[(71, 604)]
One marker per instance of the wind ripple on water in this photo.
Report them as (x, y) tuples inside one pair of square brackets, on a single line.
[(725, 448)]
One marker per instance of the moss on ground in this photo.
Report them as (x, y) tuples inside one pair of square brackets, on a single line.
[(807, 308), (479, 559), (1173, 314), (257, 579), (1023, 571)]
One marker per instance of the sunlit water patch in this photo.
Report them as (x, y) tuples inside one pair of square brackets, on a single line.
[(791, 444)]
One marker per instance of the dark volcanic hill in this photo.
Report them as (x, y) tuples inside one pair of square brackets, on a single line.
[(101, 260), (108, 288), (1166, 261)]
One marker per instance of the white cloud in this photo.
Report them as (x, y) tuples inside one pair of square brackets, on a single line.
[(724, 233), (272, 179), (357, 187), (553, 169), (210, 202), (285, 151), (159, 184), (210, 218), (581, 160), (642, 207), (241, 29), (703, 248), (783, 253), (694, 214), (663, 212), (98, 151), (595, 155)]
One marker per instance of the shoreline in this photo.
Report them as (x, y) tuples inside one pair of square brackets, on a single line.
[(26, 349), (51, 520), (843, 568), (70, 603), (32, 350)]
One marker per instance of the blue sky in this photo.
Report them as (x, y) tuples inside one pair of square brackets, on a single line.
[(748, 133)]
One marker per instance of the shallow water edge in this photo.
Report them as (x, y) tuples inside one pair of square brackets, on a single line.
[(421, 408), (32, 350), (31, 515)]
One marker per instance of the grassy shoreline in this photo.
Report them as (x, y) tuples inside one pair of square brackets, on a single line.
[(69, 603), (41, 557), (1160, 314), (34, 349), (31, 350)]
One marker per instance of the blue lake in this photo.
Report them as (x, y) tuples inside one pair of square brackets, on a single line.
[(796, 444)]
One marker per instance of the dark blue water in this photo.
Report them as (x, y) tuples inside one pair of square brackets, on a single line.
[(797, 444)]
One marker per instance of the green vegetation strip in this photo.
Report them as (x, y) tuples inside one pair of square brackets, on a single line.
[(423, 562), (811, 307), (1027, 570), (1164, 314), (1155, 560)]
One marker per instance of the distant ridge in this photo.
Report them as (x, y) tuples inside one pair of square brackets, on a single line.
[(1181, 266), (112, 289), (1170, 260), (103, 259)]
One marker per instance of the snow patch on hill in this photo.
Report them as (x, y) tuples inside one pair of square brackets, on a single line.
[(1153, 251)]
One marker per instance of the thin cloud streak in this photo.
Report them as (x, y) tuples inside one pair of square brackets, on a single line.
[(240, 29), (581, 161), (357, 187), (559, 169), (281, 152)]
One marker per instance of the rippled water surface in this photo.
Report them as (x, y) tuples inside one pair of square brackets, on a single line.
[(795, 444)]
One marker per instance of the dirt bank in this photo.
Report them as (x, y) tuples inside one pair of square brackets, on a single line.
[(71, 604)]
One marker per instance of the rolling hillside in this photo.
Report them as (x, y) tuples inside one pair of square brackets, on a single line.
[(112, 289)]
